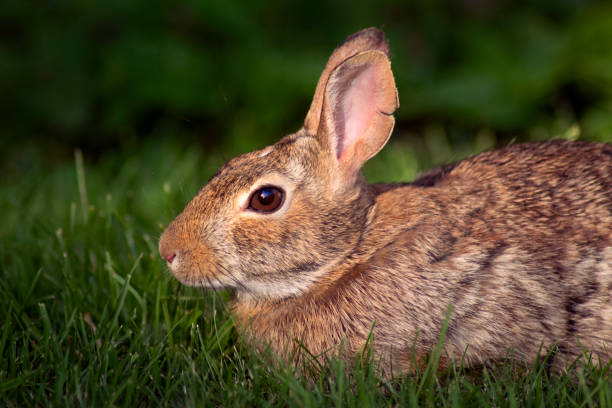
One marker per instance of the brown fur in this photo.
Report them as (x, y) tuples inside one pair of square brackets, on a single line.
[(518, 240)]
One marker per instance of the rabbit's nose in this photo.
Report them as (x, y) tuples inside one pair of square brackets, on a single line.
[(170, 258), (167, 253), (165, 249)]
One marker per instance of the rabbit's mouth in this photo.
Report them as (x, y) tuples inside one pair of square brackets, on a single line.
[(197, 275), (183, 258)]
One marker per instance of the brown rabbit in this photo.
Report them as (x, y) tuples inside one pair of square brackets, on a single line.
[(518, 240)]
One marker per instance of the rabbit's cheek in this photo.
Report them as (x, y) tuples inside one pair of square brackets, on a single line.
[(253, 235)]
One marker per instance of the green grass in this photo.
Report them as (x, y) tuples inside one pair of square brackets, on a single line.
[(91, 317)]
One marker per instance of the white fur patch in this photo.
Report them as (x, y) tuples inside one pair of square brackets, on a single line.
[(289, 286)]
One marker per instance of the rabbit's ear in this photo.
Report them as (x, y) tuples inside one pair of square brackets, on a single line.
[(368, 39), (357, 114)]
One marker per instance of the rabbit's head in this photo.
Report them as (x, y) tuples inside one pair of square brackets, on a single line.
[(270, 222)]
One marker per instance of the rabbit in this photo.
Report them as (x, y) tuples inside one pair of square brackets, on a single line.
[(517, 240)]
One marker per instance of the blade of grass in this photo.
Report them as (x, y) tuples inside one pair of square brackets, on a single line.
[(80, 172)]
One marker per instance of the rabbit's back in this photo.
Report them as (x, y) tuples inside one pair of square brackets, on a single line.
[(550, 190), (518, 240)]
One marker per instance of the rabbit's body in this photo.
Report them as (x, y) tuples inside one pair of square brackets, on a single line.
[(518, 240), (506, 290)]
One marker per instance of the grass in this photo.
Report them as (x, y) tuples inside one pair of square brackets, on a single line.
[(91, 317)]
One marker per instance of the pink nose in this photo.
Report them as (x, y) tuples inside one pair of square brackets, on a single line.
[(167, 244), (169, 258)]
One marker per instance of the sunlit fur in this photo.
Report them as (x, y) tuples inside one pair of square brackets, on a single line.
[(518, 240)]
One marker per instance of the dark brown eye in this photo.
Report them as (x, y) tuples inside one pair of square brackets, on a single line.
[(267, 199)]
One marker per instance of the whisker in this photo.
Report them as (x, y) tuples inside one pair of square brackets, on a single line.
[(226, 272)]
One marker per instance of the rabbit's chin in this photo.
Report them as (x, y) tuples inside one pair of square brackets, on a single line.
[(199, 281), (202, 277), (254, 289), (263, 286)]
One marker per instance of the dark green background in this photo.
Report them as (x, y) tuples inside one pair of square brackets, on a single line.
[(231, 75)]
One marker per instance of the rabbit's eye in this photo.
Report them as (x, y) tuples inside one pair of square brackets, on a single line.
[(267, 199)]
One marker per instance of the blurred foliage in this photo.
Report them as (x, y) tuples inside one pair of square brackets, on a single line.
[(238, 74)]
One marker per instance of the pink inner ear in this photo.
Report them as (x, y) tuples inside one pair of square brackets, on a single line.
[(359, 106)]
